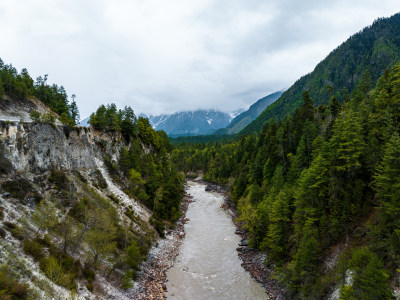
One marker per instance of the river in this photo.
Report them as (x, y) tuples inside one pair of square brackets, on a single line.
[(208, 266)]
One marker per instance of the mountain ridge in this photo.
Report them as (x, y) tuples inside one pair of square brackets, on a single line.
[(372, 49), (246, 117), (190, 123)]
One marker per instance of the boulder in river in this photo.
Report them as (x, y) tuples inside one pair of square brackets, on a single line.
[(244, 243)]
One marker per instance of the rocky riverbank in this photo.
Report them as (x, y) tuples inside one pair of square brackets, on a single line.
[(152, 277), (253, 259)]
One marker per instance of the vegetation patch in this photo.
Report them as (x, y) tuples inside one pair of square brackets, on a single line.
[(99, 181), (5, 165), (114, 199), (2, 233), (16, 230), (59, 267), (79, 176), (59, 179), (306, 183), (90, 275), (21, 189), (10, 288)]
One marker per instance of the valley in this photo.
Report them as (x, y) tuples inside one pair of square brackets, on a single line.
[(295, 198)]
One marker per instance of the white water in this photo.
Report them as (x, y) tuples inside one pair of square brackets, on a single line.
[(208, 266)]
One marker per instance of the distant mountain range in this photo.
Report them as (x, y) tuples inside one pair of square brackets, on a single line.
[(245, 118), (206, 122), (84, 122), (190, 123)]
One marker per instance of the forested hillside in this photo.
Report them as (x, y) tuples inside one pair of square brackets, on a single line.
[(144, 164), (19, 86), (371, 50), (319, 190), (245, 118), (80, 207)]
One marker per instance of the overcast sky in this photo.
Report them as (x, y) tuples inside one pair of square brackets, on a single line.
[(162, 56)]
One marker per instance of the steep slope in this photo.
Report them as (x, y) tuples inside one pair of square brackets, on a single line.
[(50, 170), (20, 86), (245, 118), (189, 123), (373, 49), (16, 111), (78, 213)]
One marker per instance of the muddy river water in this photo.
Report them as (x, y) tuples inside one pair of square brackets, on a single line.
[(208, 266)]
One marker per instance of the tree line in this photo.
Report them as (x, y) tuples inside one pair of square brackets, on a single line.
[(322, 176), (20, 86), (144, 163)]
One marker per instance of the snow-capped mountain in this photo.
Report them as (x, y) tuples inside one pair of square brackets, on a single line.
[(84, 122), (186, 123), (241, 120)]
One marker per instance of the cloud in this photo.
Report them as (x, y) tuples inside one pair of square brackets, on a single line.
[(164, 56)]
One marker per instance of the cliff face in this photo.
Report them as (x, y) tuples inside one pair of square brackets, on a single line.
[(59, 173), (41, 147)]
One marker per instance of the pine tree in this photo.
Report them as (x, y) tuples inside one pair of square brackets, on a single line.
[(387, 186), (348, 143), (306, 259), (370, 280), (334, 106), (278, 232), (307, 108)]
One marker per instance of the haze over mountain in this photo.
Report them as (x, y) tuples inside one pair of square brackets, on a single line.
[(155, 55), (189, 123), (245, 118), (205, 122)]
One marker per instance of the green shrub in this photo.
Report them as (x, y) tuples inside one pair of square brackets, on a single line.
[(45, 241), (57, 273), (49, 118), (66, 120), (100, 181), (79, 175), (34, 249), (133, 254), (59, 267), (15, 230), (35, 116), (114, 198), (59, 179), (21, 189), (370, 279), (11, 288), (127, 280), (158, 225), (89, 275)]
